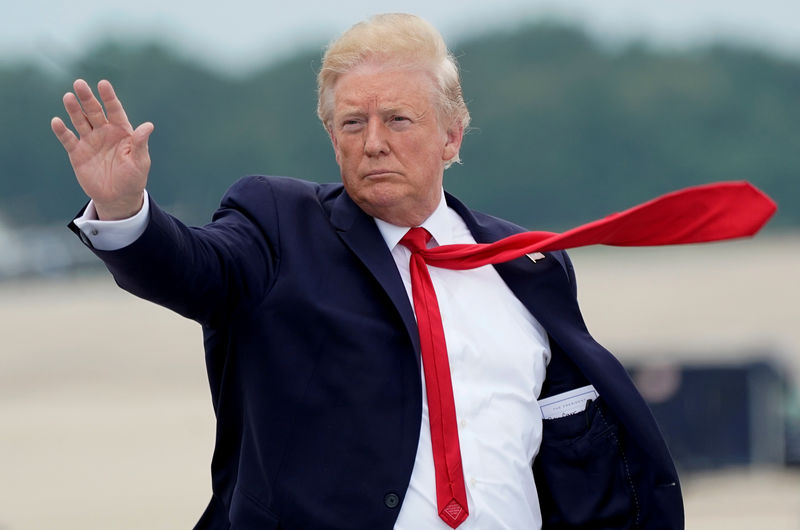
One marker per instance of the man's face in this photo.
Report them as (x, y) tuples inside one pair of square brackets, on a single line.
[(389, 142)]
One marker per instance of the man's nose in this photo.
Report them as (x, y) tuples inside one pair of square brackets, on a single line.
[(376, 142)]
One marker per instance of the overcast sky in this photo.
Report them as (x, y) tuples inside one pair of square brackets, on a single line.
[(238, 34)]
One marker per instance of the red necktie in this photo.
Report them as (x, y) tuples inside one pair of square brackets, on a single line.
[(451, 494), (693, 215)]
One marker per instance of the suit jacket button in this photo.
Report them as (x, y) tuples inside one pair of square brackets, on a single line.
[(391, 500)]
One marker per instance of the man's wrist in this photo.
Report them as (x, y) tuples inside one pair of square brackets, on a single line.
[(118, 211), (113, 234)]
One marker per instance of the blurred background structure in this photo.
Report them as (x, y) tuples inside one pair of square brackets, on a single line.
[(579, 108)]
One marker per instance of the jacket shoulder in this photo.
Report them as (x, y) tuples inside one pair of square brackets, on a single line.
[(506, 228), (257, 187)]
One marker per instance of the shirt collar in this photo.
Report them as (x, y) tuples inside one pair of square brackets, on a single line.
[(437, 224)]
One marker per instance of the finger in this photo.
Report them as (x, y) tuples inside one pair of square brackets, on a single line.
[(143, 132), (76, 115), (114, 110), (91, 107), (140, 137), (64, 135)]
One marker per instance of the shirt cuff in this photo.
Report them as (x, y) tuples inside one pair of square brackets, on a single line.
[(113, 235)]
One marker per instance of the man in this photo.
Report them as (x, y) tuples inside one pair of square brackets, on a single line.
[(307, 303)]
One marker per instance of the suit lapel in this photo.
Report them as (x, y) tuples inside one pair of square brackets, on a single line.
[(539, 285), (359, 232), (542, 287)]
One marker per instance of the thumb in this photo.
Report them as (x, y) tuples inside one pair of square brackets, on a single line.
[(140, 137)]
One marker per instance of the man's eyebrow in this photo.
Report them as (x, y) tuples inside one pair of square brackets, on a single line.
[(349, 111), (346, 109), (393, 109), (404, 109)]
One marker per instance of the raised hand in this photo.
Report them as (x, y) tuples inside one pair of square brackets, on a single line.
[(109, 157)]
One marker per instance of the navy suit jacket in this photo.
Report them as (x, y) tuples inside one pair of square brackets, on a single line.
[(314, 367)]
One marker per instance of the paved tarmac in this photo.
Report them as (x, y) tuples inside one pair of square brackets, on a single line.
[(106, 422)]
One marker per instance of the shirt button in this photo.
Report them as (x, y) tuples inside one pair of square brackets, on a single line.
[(94, 231), (463, 424), (391, 500), (472, 482)]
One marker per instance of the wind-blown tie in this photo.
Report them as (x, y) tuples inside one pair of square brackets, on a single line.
[(699, 214)]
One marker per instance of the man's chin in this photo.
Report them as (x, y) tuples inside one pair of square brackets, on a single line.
[(395, 208), (380, 202)]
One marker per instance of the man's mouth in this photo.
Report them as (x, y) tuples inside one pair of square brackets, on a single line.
[(377, 173)]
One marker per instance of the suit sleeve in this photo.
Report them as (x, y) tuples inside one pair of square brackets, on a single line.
[(204, 273)]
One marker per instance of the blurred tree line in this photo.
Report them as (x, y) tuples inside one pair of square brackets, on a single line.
[(564, 128)]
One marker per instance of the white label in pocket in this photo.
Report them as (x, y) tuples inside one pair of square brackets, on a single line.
[(567, 403)]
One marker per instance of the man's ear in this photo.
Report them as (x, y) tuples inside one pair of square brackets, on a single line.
[(455, 134)]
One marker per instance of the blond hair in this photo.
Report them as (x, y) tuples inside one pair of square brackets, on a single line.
[(397, 40)]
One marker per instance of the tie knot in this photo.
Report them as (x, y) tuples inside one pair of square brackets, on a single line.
[(416, 239)]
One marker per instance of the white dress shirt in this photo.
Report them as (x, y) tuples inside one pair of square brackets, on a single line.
[(498, 355)]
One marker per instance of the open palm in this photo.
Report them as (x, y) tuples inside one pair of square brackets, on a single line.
[(109, 157)]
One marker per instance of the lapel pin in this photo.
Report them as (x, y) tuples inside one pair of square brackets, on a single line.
[(535, 256)]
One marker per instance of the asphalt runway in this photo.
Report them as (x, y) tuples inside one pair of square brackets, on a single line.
[(106, 422)]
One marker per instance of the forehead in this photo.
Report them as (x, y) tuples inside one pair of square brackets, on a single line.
[(376, 86)]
